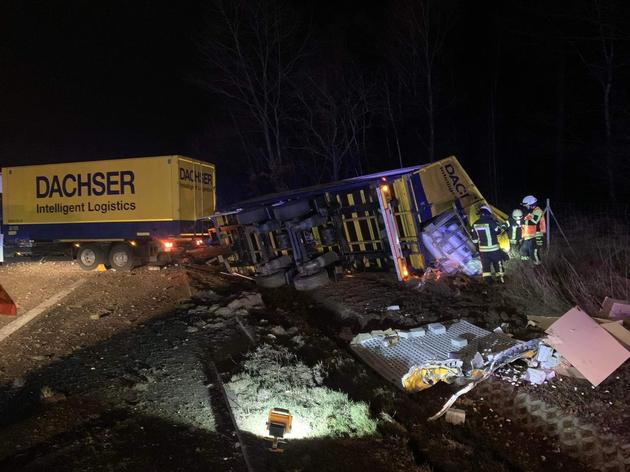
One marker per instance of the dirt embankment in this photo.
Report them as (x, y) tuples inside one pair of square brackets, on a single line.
[(113, 377), (120, 375)]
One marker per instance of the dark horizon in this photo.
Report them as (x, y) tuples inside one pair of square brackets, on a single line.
[(521, 81)]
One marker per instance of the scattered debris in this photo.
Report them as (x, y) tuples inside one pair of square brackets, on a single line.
[(247, 300), (565, 369), (223, 311), (535, 376), (586, 345), (455, 416), (544, 322), (615, 309), (621, 334), (99, 315), (436, 328), (462, 351), (278, 331), (416, 332), (393, 308), (207, 296)]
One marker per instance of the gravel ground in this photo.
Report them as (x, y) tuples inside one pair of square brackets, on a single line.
[(114, 378), (362, 301), (31, 283), (119, 376)]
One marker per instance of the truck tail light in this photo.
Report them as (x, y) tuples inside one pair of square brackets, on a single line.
[(168, 245), (198, 242), (402, 267)]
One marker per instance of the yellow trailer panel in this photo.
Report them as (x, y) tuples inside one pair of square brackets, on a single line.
[(162, 188)]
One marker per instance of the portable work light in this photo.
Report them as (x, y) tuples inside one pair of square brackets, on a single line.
[(278, 424)]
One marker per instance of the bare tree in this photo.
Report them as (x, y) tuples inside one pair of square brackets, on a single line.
[(425, 25), (599, 54), (336, 114), (560, 112), (391, 116), (250, 60)]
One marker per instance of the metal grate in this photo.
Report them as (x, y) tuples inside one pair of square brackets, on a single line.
[(394, 360)]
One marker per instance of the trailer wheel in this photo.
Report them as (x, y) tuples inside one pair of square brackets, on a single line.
[(292, 210), (121, 257), (90, 256), (311, 282), (276, 280)]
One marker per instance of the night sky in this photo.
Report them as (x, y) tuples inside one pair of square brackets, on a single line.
[(85, 80)]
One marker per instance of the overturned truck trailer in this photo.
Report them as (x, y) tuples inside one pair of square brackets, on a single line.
[(407, 219)]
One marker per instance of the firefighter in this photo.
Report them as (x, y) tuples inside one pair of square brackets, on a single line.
[(533, 230), (485, 232), (513, 227)]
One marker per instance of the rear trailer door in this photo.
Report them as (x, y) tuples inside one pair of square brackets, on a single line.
[(195, 187)]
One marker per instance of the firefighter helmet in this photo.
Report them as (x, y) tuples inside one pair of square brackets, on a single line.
[(517, 215), (529, 201), (484, 210)]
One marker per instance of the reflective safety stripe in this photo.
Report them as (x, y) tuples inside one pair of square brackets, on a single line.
[(499, 272), (495, 247), (487, 274), (536, 257), (485, 229), (534, 224)]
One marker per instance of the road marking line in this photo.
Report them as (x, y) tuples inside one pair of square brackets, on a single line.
[(33, 313)]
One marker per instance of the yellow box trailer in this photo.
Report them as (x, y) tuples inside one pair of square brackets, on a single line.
[(108, 208)]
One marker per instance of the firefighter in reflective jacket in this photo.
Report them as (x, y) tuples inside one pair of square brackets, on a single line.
[(485, 234), (513, 227), (533, 230)]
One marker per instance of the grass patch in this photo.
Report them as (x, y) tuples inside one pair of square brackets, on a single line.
[(274, 377), (592, 264)]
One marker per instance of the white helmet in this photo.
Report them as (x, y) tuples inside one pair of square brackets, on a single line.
[(517, 215), (484, 209), (529, 201)]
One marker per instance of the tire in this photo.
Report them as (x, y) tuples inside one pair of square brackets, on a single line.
[(276, 280), (292, 210), (90, 256), (122, 257), (311, 282), (276, 264), (249, 217)]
